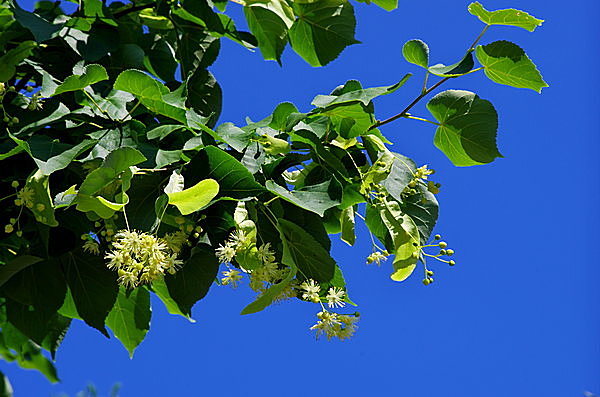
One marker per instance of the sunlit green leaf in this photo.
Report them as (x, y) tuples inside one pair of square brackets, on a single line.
[(506, 63), (91, 75), (416, 52), (129, 318), (463, 66), (315, 198), (360, 95), (194, 198), (510, 17), (150, 93)]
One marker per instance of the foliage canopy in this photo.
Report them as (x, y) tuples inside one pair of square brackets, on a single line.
[(122, 183)]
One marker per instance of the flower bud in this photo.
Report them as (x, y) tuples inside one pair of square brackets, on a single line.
[(437, 237), (443, 244), (452, 263), (8, 228), (14, 184), (449, 252)]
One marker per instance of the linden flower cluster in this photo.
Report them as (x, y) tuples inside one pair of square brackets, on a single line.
[(330, 324), (377, 257), (141, 258), (420, 175), (266, 274)]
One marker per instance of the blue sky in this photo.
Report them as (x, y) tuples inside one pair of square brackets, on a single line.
[(517, 315)]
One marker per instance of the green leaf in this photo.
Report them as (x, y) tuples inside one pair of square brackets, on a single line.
[(42, 208), (41, 29), (423, 208), (269, 26), (114, 164), (322, 30), (205, 95), (267, 297), (314, 198), (192, 282), (16, 265), (90, 75), (506, 63), (350, 120), (12, 58), (416, 52), (281, 114), (347, 223), (161, 290), (509, 17), (150, 93), (234, 136), (401, 173), (405, 238), (93, 286), (468, 125), (56, 162), (234, 179), (307, 254), (197, 49), (36, 293), (162, 131), (387, 5), (6, 389), (129, 318), (194, 198), (31, 357), (360, 95), (460, 68)]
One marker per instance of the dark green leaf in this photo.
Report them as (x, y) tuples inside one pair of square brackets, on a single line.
[(191, 283), (161, 290), (463, 66), (16, 265), (423, 209), (114, 164), (41, 29), (197, 49), (468, 125), (311, 259), (416, 52), (322, 30), (162, 131), (510, 17), (12, 58), (506, 63), (233, 178), (93, 287), (129, 318), (56, 162), (205, 95)]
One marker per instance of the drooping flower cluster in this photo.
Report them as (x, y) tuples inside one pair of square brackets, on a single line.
[(377, 257), (332, 325), (141, 258)]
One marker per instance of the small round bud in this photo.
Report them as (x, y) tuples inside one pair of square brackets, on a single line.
[(83, 236), (18, 202), (179, 220), (449, 252), (452, 263), (14, 184), (6, 119), (15, 120), (429, 273), (196, 234), (443, 244), (8, 228), (11, 89), (97, 224), (19, 233), (103, 233), (110, 232), (29, 88), (430, 280), (12, 221), (442, 252), (40, 207), (426, 281), (198, 229), (437, 237)]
